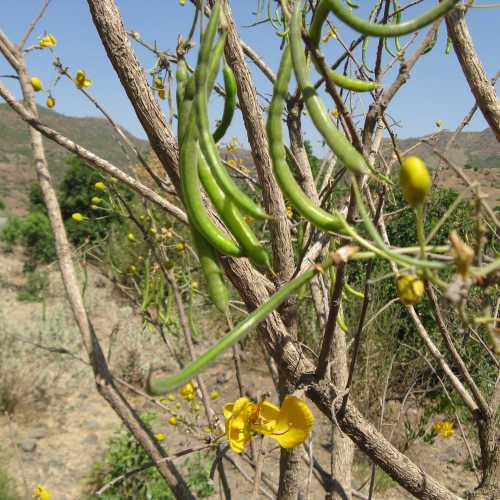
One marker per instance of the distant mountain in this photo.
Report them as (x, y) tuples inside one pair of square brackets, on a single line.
[(16, 166), (470, 149)]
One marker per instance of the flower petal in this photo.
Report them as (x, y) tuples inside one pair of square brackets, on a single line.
[(294, 423)]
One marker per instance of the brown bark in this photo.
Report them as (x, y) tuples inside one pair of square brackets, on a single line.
[(480, 85)]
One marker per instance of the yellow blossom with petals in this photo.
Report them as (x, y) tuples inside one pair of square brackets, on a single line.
[(51, 102), (36, 83), (445, 429), (41, 493), (172, 420), (100, 186), (159, 436), (187, 391), (81, 80), (289, 425), (48, 41)]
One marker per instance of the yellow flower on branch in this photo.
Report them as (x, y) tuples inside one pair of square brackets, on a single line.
[(289, 425), (172, 420), (48, 41), (81, 80), (42, 493), (187, 391), (159, 436), (445, 429), (330, 34), (410, 289), (36, 83), (131, 237), (51, 102), (100, 186), (78, 217)]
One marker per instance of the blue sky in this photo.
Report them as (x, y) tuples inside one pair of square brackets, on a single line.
[(436, 90)]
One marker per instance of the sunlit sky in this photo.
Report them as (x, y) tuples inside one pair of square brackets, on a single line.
[(437, 88)]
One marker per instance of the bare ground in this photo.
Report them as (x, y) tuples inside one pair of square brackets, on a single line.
[(55, 434)]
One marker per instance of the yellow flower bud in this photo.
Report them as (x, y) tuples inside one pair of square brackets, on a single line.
[(100, 186), (130, 237), (415, 181), (41, 493), (36, 83), (161, 94), (196, 407), (172, 420), (132, 268), (178, 405), (152, 230), (194, 285), (180, 247), (214, 394), (410, 289), (96, 200), (51, 102), (159, 436), (77, 216), (94, 207), (171, 397)]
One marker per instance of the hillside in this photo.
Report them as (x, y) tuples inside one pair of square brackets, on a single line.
[(16, 169)]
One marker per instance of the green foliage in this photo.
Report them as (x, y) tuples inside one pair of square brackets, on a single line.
[(8, 490), (2, 205), (124, 453), (314, 161)]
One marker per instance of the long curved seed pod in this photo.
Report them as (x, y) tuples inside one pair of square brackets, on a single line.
[(212, 271), (183, 103), (190, 185), (229, 103), (215, 59), (292, 190), (337, 141), (388, 30), (232, 217), (161, 386), (207, 143), (341, 80)]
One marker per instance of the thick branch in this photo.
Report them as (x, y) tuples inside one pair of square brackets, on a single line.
[(480, 85)]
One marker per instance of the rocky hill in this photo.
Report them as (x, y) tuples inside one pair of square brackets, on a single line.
[(16, 167)]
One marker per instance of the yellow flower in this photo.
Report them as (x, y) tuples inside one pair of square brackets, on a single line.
[(78, 217), (96, 200), (289, 211), (237, 417), (410, 289), (161, 94), (159, 84), (41, 493), (51, 102), (36, 83), (195, 285), (214, 394), (130, 237), (159, 436), (232, 145), (330, 34), (187, 391), (289, 425), (100, 186), (249, 219), (178, 405), (94, 207), (415, 180), (171, 397), (180, 247), (172, 420), (152, 230), (334, 113), (444, 429), (232, 163), (48, 41), (81, 80), (132, 268)]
